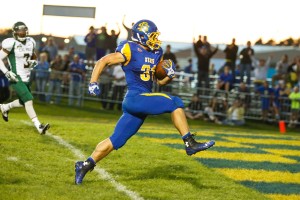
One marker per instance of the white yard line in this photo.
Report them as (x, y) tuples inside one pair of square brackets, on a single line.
[(102, 172)]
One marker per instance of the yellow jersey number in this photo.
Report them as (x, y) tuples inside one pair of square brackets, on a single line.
[(146, 76)]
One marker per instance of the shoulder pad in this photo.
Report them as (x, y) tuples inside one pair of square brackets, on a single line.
[(8, 43), (32, 40)]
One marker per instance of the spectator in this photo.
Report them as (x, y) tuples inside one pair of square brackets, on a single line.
[(101, 43), (194, 110), (113, 40), (4, 88), (235, 114), (215, 110), (293, 73), (281, 69), (105, 86), (77, 74), (128, 29), (231, 51), (266, 95), (295, 107), (199, 42), (189, 68), (42, 75), (119, 85), (168, 54), (203, 65), (51, 49), (189, 71), (212, 70), (280, 95), (40, 48), (55, 80), (90, 48), (246, 62), (244, 95), (65, 78), (206, 44), (225, 81), (261, 67)]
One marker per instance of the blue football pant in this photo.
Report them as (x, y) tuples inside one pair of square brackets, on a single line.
[(136, 109)]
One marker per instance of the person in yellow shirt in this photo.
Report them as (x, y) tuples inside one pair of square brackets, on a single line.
[(295, 106)]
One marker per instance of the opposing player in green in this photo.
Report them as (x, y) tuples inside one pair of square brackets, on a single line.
[(20, 53)]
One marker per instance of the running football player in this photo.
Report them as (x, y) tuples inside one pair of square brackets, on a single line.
[(139, 58), (20, 53)]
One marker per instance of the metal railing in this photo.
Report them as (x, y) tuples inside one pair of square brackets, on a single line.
[(73, 87)]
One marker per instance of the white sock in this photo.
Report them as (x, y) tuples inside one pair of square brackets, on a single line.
[(31, 113), (13, 104), (36, 122)]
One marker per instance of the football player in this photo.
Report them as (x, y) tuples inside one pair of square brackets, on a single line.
[(20, 53), (139, 58)]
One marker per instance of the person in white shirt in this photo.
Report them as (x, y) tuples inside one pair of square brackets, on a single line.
[(119, 87)]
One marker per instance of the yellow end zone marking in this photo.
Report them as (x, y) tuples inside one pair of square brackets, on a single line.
[(284, 152), (283, 197), (254, 157), (179, 141), (264, 141), (261, 175)]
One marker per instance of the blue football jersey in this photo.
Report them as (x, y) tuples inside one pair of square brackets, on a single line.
[(139, 66)]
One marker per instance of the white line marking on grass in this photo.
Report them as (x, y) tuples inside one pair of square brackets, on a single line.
[(12, 158), (102, 172)]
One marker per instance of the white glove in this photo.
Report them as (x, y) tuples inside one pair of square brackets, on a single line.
[(94, 89), (169, 68), (32, 63), (11, 76)]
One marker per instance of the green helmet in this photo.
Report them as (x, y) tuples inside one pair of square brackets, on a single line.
[(20, 31)]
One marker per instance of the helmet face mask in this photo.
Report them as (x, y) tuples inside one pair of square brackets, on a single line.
[(20, 31), (145, 32)]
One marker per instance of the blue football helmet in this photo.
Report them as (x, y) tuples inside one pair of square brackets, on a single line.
[(145, 32)]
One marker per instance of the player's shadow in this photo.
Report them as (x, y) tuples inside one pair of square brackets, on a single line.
[(176, 172)]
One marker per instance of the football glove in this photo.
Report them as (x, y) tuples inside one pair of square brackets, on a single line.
[(11, 76), (32, 63), (169, 67), (94, 89)]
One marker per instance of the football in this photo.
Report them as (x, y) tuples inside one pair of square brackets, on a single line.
[(160, 73)]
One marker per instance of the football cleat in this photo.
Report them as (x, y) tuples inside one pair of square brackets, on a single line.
[(192, 147), (43, 128), (81, 168), (4, 113)]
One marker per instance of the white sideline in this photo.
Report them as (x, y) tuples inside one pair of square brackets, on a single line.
[(102, 172)]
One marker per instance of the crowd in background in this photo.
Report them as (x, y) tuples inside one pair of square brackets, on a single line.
[(243, 73)]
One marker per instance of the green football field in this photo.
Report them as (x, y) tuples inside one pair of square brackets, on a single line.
[(251, 162)]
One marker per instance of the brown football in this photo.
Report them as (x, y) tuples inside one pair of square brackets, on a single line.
[(160, 73)]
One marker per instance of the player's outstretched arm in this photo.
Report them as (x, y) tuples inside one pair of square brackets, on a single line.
[(108, 60)]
